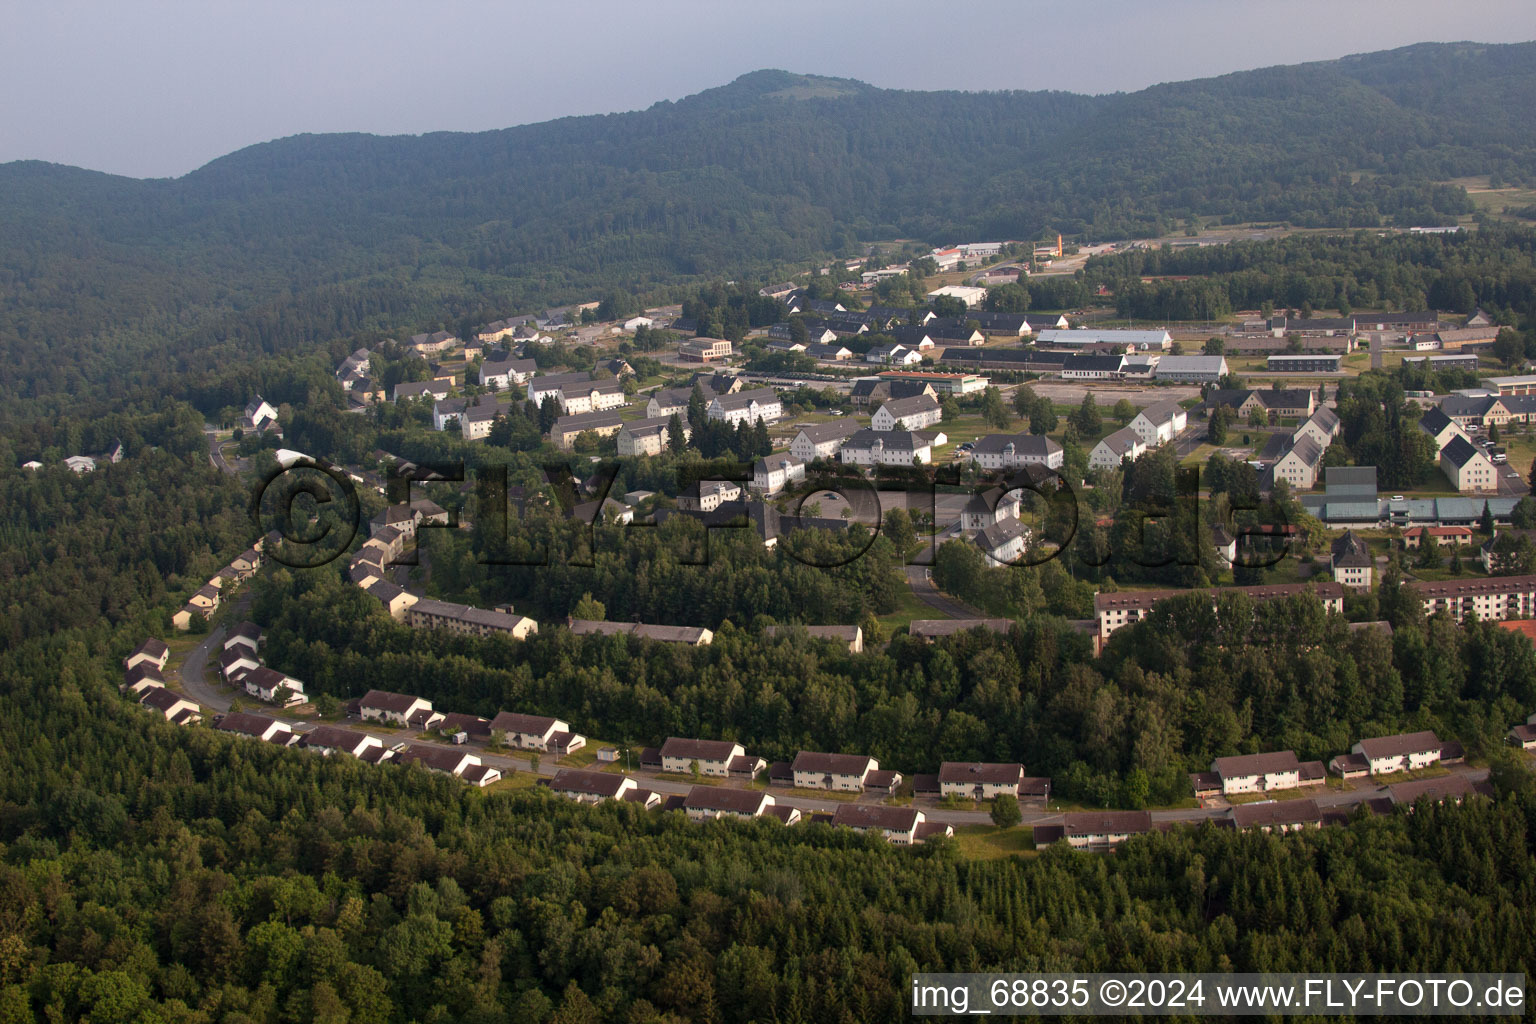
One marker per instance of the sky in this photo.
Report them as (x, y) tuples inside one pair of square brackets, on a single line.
[(152, 88)]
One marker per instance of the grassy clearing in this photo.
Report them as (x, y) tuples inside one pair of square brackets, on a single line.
[(512, 781), (907, 609), (824, 794), (988, 842), (1300, 793)]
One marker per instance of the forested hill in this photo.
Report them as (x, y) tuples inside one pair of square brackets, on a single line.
[(296, 242)]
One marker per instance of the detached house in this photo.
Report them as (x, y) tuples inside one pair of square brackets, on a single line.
[(591, 787), (259, 415), (713, 757), (979, 781), (916, 413), (1299, 466), (398, 709), (1440, 427), (151, 652), (1009, 451), (898, 825), (822, 440), (268, 685), (172, 707), (1350, 559), (776, 472), (329, 739), (842, 772), (746, 407), (1124, 443), (1385, 755), (650, 436), (886, 448), (1256, 773), (257, 727), (537, 732), (706, 803), (1159, 423), (1322, 427), (990, 507), (1005, 542), (1468, 468)]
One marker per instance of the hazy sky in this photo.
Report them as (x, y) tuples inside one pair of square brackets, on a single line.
[(155, 88)]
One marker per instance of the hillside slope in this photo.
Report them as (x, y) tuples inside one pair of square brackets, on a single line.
[(301, 241)]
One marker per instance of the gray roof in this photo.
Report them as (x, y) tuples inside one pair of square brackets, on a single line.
[(1122, 442), (743, 399), (902, 440), (1023, 444), (1350, 482), (900, 407), (1162, 412), (1192, 364), (1000, 533), (832, 430), (1351, 552)]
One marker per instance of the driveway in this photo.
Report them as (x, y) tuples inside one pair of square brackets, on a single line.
[(920, 579)]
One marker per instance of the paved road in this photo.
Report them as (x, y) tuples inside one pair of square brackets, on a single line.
[(921, 581)]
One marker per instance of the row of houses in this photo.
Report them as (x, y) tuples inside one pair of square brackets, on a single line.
[(1105, 830), (1280, 770), (240, 665), (144, 680), (206, 600)]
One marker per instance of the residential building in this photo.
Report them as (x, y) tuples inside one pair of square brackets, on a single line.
[(1310, 362), (916, 413), (979, 781), (1009, 451), (235, 662), (895, 355), (672, 402), (713, 757), (503, 373), (1457, 361), (567, 429), (259, 415), (1124, 443), (776, 472), (273, 687), (706, 803), (1095, 830), (822, 440), (1440, 536), (467, 620), (886, 448), (1299, 465), (1402, 752), (1124, 608), (256, 727), (1004, 543), (1322, 427), (841, 772), (150, 652), (990, 507), (870, 392), (577, 397), (1257, 773), (397, 601), (1494, 598), (746, 407), (398, 709), (1468, 468), (692, 636), (436, 341), (1488, 552), (536, 732), (1160, 422), (1440, 427), (1447, 789), (850, 636), (591, 787), (328, 739), (173, 707), (1351, 561), (707, 495), (897, 825), (442, 761), (1277, 816), (829, 352), (650, 436), (435, 390), (142, 676)]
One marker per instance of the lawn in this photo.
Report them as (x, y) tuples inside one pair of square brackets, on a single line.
[(514, 780), (1300, 793), (907, 609), (988, 842)]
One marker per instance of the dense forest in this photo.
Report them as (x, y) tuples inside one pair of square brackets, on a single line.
[(158, 286)]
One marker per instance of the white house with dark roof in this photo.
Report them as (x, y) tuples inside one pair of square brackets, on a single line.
[(916, 413), (990, 507), (503, 373), (1401, 752), (172, 707), (1299, 465), (886, 448), (898, 825), (1159, 423), (1124, 443), (268, 684), (979, 780), (713, 757), (841, 772), (1004, 542), (772, 474), (591, 787), (1469, 470), (746, 407), (259, 414), (151, 651), (1322, 427), (1009, 451), (577, 397), (534, 732), (1440, 427), (1350, 560), (257, 727), (706, 803), (1255, 773), (398, 709), (822, 440)]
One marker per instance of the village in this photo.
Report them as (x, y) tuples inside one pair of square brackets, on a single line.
[(898, 411)]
